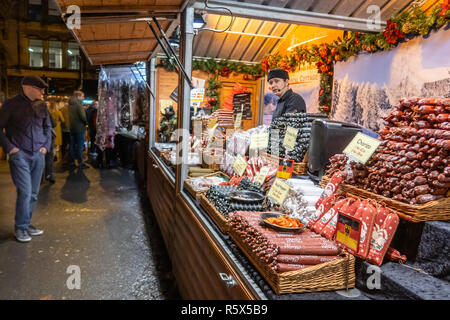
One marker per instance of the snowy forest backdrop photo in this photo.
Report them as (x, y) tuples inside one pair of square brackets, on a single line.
[(367, 86)]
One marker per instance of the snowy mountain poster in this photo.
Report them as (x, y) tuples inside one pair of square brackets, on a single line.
[(367, 86)]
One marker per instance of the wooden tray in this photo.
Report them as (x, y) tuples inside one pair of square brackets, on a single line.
[(215, 215), (430, 211), (193, 192), (328, 276), (300, 168)]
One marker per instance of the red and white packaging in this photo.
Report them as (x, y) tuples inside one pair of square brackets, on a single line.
[(323, 221), (331, 187), (381, 239), (323, 208), (330, 229), (367, 218)]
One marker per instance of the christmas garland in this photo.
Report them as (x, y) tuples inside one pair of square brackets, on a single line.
[(223, 68), (405, 25)]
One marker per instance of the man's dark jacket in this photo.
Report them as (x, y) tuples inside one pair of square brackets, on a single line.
[(288, 103), (27, 124), (77, 116)]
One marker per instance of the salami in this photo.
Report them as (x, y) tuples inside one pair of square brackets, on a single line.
[(284, 267), (304, 259)]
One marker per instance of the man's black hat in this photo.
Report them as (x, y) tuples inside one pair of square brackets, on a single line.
[(34, 81), (278, 73)]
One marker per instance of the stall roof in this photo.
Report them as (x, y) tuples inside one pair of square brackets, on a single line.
[(112, 31)]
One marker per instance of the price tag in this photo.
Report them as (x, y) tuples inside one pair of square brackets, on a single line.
[(362, 147), (261, 178), (285, 168), (238, 121), (212, 123), (239, 165), (348, 230), (290, 137), (259, 141), (198, 128), (279, 191)]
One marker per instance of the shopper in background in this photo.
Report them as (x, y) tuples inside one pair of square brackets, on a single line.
[(91, 114), (65, 134), (50, 155), (27, 139), (289, 101), (59, 118), (78, 122), (2, 153)]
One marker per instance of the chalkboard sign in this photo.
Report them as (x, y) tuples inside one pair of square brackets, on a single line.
[(239, 100)]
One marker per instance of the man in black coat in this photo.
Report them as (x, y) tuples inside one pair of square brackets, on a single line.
[(289, 101), (26, 140)]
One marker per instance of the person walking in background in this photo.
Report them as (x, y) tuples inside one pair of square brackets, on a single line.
[(27, 139), (59, 118), (91, 114), (65, 134), (78, 122), (50, 155), (2, 153)]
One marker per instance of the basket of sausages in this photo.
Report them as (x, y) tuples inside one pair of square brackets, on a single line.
[(292, 262), (410, 171)]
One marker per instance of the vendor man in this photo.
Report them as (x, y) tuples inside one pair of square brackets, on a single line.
[(288, 100)]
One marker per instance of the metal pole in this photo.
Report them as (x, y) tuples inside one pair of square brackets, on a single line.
[(153, 107), (184, 107), (173, 52)]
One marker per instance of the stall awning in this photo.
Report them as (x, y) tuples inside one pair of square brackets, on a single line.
[(114, 31)]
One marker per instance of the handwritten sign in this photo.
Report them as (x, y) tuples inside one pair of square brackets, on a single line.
[(279, 191), (212, 123), (290, 137), (259, 140), (362, 147), (238, 121), (239, 165), (261, 178)]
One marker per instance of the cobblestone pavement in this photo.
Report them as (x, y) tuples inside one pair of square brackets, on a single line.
[(98, 226)]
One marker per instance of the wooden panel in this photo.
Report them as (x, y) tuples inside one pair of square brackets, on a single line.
[(281, 31), (218, 37), (203, 39), (393, 7), (361, 12), (197, 261), (255, 44), (301, 4), (324, 6), (347, 7), (231, 40), (245, 41), (227, 88), (161, 194)]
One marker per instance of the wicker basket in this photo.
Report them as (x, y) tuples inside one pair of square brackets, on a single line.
[(430, 211), (300, 168), (196, 194), (328, 276), (215, 215)]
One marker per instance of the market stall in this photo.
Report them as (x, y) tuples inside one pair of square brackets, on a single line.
[(238, 203)]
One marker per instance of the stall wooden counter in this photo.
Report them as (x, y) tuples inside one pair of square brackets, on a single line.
[(201, 264)]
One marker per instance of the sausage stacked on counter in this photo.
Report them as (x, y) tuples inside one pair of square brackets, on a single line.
[(412, 163), (224, 117), (298, 121), (285, 251)]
